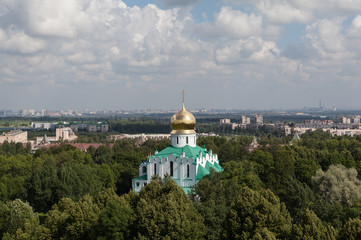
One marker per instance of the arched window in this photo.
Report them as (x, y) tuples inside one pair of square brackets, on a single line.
[(187, 140), (171, 169), (155, 169), (144, 169), (187, 170), (177, 140)]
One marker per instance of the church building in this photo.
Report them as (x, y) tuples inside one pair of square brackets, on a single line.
[(184, 161)]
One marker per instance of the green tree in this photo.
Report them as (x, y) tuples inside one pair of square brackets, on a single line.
[(73, 220), (115, 220), (212, 197), (351, 230), (15, 215), (311, 227), (163, 211), (338, 184), (253, 213)]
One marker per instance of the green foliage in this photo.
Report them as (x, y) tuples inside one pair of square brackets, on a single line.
[(252, 212), (338, 185), (13, 172), (14, 148), (297, 196), (311, 227), (73, 220), (351, 230), (115, 220), (62, 177), (15, 215), (77, 192), (163, 211), (213, 196)]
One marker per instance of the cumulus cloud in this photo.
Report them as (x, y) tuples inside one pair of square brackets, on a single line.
[(231, 23), (281, 12), (326, 38), (19, 42), (253, 49), (111, 46), (303, 11)]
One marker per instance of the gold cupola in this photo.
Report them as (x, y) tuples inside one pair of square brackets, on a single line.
[(183, 122)]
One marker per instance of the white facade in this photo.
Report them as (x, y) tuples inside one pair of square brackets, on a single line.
[(181, 140)]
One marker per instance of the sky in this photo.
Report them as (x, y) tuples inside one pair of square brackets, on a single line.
[(137, 54)]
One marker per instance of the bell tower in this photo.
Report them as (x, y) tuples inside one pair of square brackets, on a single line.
[(183, 128)]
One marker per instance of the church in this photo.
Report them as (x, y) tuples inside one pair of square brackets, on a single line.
[(184, 161)]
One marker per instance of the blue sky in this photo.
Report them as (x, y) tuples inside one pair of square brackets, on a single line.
[(242, 54)]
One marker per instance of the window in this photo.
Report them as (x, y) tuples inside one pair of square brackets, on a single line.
[(144, 169), (137, 184), (145, 184), (155, 169), (171, 169), (187, 140), (187, 170), (177, 140)]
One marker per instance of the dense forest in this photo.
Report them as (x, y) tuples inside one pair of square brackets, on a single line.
[(310, 190)]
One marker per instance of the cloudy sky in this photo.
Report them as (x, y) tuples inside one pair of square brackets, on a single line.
[(244, 54)]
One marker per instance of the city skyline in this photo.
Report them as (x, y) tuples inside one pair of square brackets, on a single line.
[(235, 54)]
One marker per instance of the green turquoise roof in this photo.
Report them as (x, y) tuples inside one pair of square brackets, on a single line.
[(144, 177), (219, 168), (210, 165), (201, 172), (187, 190), (190, 152)]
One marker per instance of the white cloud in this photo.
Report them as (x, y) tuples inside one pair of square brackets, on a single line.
[(253, 49), (281, 12), (231, 23), (326, 38), (19, 42), (113, 47)]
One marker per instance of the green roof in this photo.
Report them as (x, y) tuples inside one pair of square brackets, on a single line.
[(190, 152), (187, 190), (144, 177), (201, 172), (216, 168), (219, 168)]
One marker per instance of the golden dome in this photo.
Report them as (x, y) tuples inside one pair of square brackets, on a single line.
[(183, 122)]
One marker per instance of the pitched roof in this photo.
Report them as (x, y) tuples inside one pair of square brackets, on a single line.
[(201, 172), (190, 152)]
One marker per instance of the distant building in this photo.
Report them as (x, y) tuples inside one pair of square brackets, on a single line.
[(227, 122), (40, 125), (355, 120), (65, 134), (98, 127), (44, 112), (24, 112), (81, 146), (224, 121), (142, 136), (258, 119), (16, 136), (346, 120), (32, 112), (245, 120)]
